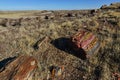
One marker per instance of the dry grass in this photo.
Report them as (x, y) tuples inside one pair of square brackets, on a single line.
[(17, 40), (16, 14)]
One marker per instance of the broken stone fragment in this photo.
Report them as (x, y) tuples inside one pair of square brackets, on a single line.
[(22, 68), (56, 72), (85, 40), (116, 76)]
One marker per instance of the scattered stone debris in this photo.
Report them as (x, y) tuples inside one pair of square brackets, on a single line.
[(22, 68), (85, 40), (69, 15), (56, 72), (116, 76), (21, 35)]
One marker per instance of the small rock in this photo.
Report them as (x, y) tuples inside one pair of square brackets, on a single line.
[(56, 71)]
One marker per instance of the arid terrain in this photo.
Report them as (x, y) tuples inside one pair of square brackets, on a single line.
[(44, 34)]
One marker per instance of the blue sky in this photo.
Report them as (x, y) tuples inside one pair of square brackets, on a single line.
[(52, 4)]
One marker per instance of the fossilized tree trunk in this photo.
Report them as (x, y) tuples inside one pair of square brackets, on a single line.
[(85, 42), (22, 68)]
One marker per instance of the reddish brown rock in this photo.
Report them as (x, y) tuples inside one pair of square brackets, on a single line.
[(22, 68), (116, 76), (56, 72), (85, 40)]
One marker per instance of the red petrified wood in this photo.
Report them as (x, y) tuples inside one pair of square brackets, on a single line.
[(22, 68), (85, 40)]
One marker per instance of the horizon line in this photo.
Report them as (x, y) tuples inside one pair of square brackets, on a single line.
[(46, 9)]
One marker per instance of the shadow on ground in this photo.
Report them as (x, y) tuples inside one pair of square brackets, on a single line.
[(64, 44), (6, 61)]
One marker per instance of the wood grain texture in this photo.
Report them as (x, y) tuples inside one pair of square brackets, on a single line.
[(22, 68), (85, 40)]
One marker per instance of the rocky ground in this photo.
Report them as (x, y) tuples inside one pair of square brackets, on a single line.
[(43, 34)]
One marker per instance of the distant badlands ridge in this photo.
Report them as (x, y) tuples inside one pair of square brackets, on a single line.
[(112, 6)]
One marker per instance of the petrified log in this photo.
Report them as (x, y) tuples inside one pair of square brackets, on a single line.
[(85, 40), (40, 42), (3, 22), (22, 68), (14, 22)]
